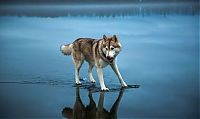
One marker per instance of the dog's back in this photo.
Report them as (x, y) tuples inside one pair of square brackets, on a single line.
[(81, 46)]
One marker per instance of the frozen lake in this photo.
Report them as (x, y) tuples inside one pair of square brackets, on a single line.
[(160, 53)]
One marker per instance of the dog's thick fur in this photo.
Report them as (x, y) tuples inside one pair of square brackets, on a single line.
[(99, 53)]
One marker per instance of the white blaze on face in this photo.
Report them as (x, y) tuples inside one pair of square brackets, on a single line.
[(107, 53), (111, 53)]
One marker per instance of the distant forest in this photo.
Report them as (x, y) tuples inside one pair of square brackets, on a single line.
[(88, 1)]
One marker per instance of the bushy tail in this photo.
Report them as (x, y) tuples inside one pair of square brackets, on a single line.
[(66, 49)]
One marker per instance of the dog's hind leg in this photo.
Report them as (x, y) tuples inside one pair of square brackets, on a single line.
[(78, 65), (90, 73), (78, 61)]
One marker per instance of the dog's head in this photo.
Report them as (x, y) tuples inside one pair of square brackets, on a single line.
[(111, 47)]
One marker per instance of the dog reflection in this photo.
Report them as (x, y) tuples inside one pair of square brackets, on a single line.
[(92, 111)]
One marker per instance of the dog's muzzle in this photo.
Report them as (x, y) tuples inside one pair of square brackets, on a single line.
[(110, 58)]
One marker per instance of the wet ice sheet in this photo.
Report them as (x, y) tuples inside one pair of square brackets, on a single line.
[(159, 53)]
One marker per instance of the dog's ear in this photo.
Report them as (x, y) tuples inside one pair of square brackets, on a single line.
[(104, 37), (115, 38)]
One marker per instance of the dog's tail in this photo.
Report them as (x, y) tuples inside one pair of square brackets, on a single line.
[(66, 49)]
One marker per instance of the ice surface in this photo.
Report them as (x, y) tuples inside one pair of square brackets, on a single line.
[(160, 53)]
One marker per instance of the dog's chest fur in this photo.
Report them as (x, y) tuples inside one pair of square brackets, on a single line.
[(103, 63)]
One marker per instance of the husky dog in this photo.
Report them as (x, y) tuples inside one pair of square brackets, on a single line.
[(99, 53)]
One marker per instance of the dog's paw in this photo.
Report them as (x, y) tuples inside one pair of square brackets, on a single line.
[(105, 89), (93, 81), (78, 83), (124, 85)]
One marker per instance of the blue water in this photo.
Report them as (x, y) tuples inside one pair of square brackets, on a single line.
[(159, 53)]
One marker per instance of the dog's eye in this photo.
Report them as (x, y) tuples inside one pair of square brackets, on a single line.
[(112, 48), (106, 48)]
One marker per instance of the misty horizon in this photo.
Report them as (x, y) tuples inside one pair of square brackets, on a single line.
[(100, 10), (11, 2)]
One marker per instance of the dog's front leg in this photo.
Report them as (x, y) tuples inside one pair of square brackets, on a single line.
[(116, 70), (101, 80)]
